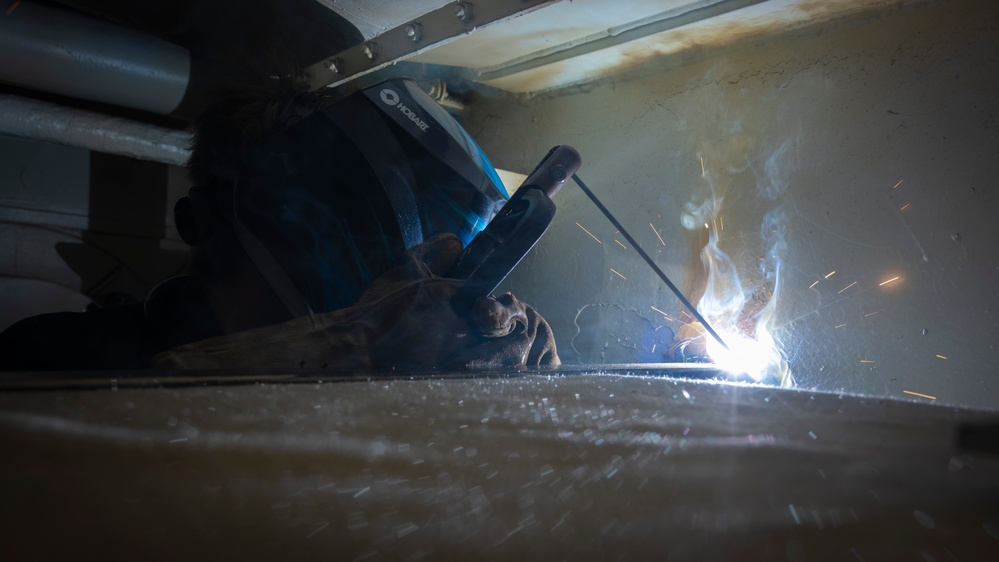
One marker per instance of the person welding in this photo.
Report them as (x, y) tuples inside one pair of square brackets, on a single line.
[(323, 231)]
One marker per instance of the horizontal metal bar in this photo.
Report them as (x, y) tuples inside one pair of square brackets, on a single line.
[(426, 32), (667, 22)]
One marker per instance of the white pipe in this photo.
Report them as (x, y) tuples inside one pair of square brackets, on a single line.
[(63, 52), (33, 119)]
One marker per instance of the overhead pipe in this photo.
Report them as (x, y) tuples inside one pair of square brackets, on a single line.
[(67, 53), (34, 119)]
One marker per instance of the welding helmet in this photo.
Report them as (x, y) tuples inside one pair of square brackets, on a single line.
[(332, 201)]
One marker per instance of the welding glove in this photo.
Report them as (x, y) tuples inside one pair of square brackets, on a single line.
[(403, 321)]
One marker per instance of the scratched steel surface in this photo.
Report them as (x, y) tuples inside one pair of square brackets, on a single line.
[(586, 466)]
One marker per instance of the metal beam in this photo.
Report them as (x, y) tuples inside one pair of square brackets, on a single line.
[(426, 32), (571, 49)]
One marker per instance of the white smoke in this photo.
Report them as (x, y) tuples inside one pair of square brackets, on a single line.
[(743, 313)]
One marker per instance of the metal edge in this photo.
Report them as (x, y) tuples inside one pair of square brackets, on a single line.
[(113, 381), (426, 32)]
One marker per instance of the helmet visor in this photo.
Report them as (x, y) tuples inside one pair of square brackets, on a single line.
[(332, 202)]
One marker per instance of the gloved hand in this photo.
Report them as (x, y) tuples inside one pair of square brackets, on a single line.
[(403, 321)]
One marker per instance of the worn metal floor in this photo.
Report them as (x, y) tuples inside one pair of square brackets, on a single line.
[(576, 466)]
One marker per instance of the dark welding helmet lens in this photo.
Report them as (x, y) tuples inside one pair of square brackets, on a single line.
[(333, 202)]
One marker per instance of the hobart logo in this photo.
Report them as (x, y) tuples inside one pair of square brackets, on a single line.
[(389, 97), (392, 98)]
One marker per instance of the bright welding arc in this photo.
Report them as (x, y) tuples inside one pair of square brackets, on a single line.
[(648, 260)]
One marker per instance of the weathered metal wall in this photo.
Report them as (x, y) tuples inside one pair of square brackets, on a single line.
[(804, 142)]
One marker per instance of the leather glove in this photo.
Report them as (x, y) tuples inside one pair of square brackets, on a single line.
[(403, 321)]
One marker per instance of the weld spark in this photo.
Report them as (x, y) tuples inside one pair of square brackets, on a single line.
[(620, 244), (828, 275), (840, 326), (18, 3), (898, 184), (618, 274), (871, 313), (814, 284), (847, 287), (794, 514), (904, 207), (920, 395), (588, 232), (941, 356), (657, 234), (666, 316), (702, 166), (866, 360), (883, 283)]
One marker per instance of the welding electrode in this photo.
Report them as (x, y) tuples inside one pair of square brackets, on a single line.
[(648, 260)]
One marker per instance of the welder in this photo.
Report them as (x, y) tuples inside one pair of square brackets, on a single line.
[(322, 232)]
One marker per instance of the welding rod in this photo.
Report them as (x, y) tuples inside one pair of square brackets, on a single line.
[(648, 260)]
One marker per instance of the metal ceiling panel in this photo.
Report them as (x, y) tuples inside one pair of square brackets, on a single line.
[(374, 17), (572, 43), (556, 28), (411, 37), (726, 29)]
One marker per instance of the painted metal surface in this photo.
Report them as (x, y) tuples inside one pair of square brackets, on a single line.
[(410, 38), (800, 144), (536, 467), (577, 43), (568, 29), (691, 39), (374, 17)]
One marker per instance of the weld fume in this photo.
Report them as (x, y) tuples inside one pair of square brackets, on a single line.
[(742, 314)]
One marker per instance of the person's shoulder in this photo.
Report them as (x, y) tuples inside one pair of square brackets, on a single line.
[(106, 338)]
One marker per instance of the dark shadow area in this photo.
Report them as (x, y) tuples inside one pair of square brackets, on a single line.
[(120, 257)]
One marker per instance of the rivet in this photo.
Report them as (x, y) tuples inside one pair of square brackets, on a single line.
[(464, 11), (336, 65), (370, 50), (414, 31)]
